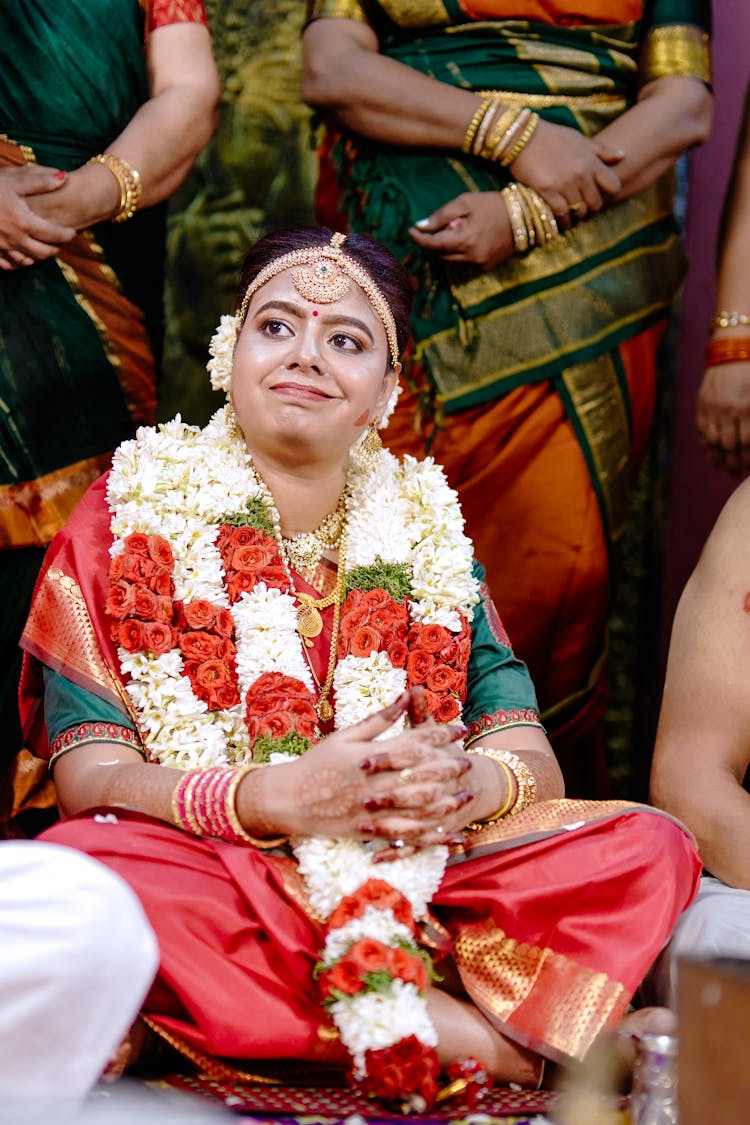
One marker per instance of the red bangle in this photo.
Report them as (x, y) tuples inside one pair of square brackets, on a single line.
[(735, 349)]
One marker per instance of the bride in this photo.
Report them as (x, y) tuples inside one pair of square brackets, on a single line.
[(278, 700)]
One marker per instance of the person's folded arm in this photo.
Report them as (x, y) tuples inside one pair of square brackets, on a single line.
[(703, 741), (162, 139), (671, 115), (385, 100)]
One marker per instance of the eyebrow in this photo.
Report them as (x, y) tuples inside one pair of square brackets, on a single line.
[(299, 310)]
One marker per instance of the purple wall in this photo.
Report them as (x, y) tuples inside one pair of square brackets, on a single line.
[(697, 490)]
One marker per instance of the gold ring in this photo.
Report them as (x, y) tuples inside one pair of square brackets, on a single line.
[(406, 775), (576, 207)]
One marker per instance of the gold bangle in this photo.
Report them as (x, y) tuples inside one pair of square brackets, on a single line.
[(475, 122), (484, 129), (502, 138), (543, 221), (528, 215), (129, 181), (726, 319), (525, 780), (230, 808), (522, 141), (192, 820), (501, 130), (515, 215), (475, 825), (545, 215)]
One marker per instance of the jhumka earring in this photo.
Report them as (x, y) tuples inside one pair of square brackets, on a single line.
[(370, 446)]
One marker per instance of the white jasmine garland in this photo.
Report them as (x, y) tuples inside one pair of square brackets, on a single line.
[(375, 923), (369, 1021), (177, 481)]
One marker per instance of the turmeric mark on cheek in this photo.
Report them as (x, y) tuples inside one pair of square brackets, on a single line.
[(746, 603)]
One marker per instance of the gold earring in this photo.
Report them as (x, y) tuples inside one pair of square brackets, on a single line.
[(369, 446)]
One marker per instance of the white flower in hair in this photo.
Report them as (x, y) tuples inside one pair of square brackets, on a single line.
[(221, 350), (390, 406)]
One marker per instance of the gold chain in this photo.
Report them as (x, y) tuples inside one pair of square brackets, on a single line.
[(309, 619)]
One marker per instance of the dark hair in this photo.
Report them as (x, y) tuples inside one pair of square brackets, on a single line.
[(387, 273)]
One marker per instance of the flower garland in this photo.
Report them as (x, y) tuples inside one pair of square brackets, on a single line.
[(204, 619)]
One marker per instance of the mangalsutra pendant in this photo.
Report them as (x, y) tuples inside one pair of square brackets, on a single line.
[(309, 620), (325, 711)]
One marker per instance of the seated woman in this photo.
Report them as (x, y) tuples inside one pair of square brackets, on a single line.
[(702, 754), (279, 702)]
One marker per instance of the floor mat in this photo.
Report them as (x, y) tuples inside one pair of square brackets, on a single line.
[(331, 1105)]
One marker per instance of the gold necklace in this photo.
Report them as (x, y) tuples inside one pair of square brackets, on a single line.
[(305, 549), (309, 618), (309, 610)]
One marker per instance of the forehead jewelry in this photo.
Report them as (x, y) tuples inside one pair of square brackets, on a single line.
[(324, 274)]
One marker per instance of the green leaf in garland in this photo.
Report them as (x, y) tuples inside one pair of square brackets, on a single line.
[(254, 515), (379, 980), (394, 578), (290, 743)]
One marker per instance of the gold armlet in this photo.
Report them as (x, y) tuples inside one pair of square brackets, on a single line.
[(676, 51)]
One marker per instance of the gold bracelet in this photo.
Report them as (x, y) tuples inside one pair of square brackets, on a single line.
[(726, 319), (475, 122), (128, 180), (522, 141), (230, 808), (525, 780)]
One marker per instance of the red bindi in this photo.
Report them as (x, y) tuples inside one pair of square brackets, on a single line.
[(315, 312)]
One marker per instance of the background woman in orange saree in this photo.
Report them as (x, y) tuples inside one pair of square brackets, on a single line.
[(80, 295), (535, 368)]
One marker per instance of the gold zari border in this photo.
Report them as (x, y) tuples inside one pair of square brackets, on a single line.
[(546, 101), (504, 977), (32, 512), (599, 405), (679, 50), (59, 607)]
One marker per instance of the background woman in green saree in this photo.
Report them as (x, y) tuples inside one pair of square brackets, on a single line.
[(80, 297), (534, 379)]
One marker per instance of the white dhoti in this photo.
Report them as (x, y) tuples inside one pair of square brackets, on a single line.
[(78, 957), (716, 924)]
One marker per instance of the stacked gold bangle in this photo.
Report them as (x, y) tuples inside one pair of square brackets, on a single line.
[(204, 803), (515, 769), (129, 181), (499, 134), (531, 220)]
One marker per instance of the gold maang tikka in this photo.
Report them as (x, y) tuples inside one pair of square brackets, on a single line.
[(323, 274)]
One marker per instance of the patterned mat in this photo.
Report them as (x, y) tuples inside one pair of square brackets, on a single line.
[(289, 1105)]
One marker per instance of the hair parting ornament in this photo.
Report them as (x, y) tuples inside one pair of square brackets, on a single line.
[(324, 274)]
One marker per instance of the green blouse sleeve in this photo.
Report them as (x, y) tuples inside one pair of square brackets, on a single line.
[(500, 693), (74, 717)]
